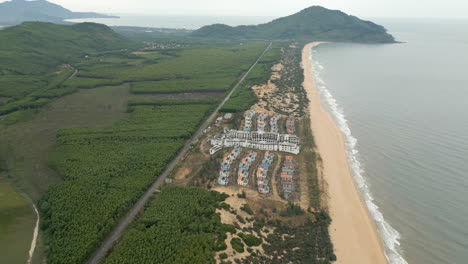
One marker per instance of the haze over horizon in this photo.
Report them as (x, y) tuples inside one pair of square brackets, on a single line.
[(364, 8)]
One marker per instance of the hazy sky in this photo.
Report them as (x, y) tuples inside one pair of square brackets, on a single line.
[(363, 8)]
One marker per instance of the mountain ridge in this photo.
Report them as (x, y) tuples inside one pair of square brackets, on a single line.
[(18, 11), (313, 23)]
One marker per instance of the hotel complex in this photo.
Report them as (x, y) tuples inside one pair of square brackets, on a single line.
[(260, 140), (256, 140)]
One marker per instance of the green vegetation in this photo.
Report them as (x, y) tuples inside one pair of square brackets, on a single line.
[(237, 245), (246, 208), (251, 240), (306, 243), (35, 58), (37, 61), (204, 101), (89, 83), (36, 48), (17, 220), (183, 85), (229, 228), (184, 70), (243, 194), (313, 23), (292, 78), (292, 210), (106, 169), (310, 154), (243, 98), (15, 117), (179, 226)]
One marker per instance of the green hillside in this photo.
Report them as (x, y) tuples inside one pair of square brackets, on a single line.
[(313, 23), (35, 59), (37, 47)]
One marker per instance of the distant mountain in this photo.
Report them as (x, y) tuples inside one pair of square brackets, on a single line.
[(313, 23), (17, 11), (38, 47)]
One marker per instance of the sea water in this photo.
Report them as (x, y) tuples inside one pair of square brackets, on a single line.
[(403, 109)]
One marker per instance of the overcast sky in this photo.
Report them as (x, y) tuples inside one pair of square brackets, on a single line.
[(363, 8)]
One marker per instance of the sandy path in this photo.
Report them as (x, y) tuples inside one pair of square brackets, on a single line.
[(34, 240), (353, 232)]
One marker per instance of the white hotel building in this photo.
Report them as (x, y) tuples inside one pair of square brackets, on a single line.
[(258, 140)]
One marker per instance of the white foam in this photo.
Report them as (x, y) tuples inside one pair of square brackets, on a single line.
[(390, 236)]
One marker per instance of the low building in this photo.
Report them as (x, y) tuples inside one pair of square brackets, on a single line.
[(262, 173), (290, 125), (248, 121), (287, 176), (262, 122), (274, 123), (244, 166), (227, 117), (218, 121), (224, 172)]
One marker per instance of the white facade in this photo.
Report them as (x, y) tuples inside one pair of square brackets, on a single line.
[(215, 149), (258, 140)]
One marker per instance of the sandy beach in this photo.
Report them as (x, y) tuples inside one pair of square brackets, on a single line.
[(352, 231)]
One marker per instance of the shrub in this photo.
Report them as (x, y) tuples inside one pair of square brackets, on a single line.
[(237, 245), (292, 210), (223, 256), (251, 240), (246, 208)]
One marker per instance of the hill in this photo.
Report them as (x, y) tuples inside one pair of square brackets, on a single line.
[(17, 11), (35, 57), (38, 47), (313, 23)]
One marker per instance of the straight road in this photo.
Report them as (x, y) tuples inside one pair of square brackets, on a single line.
[(138, 207)]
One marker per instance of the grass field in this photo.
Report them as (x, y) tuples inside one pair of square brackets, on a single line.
[(17, 220), (26, 146), (25, 149)]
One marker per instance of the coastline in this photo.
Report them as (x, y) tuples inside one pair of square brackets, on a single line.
[(353, 232)]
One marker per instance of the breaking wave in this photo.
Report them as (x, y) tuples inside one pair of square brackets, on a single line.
[(389, 235)]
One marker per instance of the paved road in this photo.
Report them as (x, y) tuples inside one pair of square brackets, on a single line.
[(127, 219)]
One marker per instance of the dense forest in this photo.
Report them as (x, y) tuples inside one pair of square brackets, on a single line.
[(105, 170), (179, 226)]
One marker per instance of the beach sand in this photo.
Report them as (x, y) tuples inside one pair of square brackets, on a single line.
[(352, 230)]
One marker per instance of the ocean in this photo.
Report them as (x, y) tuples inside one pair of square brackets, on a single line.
[(403, 109)]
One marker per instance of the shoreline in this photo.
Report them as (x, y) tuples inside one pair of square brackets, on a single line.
[(353, 232)]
